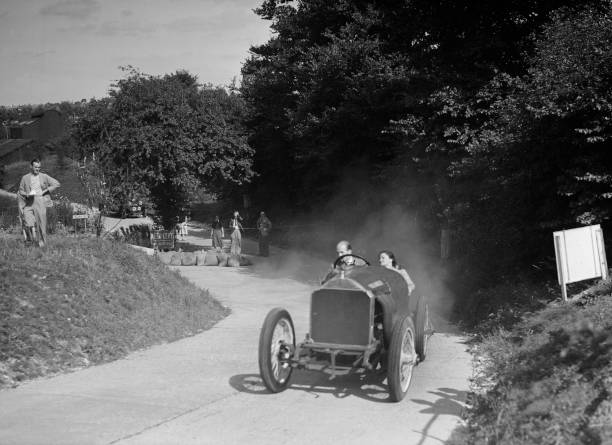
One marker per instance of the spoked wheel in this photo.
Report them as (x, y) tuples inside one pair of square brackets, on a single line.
[(402, 358), (423, 328), (276, 344)]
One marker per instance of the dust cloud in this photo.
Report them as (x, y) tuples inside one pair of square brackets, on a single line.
[(371, 220)]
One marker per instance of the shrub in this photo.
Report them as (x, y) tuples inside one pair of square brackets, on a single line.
[(550, 376), (9, 214), (59, 217)]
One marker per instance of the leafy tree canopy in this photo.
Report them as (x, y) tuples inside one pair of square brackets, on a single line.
[(162, 137), (535, 155), (344, 82), (488, 118)]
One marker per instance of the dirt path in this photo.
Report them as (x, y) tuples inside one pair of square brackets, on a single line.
[(206, 390)]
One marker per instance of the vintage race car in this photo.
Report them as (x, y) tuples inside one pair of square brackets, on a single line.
[(361, 319)]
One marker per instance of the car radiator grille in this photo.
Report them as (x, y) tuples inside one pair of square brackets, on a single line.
[(340, 316)]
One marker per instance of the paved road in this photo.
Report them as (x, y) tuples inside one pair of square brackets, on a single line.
[(206, 390)]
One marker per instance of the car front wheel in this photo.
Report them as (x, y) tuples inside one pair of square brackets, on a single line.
[(402, 358), (276, 344)]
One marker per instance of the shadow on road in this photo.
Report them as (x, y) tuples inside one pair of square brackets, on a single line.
[(368, 386), (449, 402)]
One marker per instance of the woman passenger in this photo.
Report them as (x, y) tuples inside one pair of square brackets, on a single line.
[(386, 258)]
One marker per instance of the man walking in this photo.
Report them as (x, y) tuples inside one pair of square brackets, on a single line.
[(34, 198), (264, 225)]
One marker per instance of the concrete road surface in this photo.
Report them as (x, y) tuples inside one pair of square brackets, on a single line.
[(206, 389)]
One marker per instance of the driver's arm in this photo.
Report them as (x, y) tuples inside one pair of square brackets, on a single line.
[(330, 273)]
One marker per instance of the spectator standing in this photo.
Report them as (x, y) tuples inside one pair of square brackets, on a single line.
[(217, 234), (264, 225), (236, 235), (183, 228), (34, 197), (177, 227)]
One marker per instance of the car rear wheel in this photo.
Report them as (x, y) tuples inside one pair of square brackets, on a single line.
[(422, 328), (276, 344), (402, 358)]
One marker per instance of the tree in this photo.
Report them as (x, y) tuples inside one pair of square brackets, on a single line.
[(538, 158), (160, 137), (430, 100), (368, 83)]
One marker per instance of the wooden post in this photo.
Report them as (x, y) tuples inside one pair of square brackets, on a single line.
[(560, 274), (601, 250)]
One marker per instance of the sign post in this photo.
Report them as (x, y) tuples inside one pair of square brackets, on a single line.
[(580, 255)]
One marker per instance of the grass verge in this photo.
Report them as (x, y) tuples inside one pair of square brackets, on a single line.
[(83, 301), (548, 378)]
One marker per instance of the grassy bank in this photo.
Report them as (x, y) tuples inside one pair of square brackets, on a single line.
[(548, 378), (82, 301)]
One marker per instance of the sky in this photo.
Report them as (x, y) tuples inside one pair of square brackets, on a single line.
[(69, 50)]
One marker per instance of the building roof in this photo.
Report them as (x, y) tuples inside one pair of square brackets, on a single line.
[(40, 113), (15, 124)]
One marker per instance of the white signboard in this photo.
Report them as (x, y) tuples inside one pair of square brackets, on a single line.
[(580, 254)]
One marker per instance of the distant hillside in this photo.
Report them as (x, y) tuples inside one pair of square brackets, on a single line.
[(8, 146)]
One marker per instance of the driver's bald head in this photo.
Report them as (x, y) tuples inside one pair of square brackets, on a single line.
[(343, 248)]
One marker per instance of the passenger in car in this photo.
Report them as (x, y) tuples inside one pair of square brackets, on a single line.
[(386, 258)]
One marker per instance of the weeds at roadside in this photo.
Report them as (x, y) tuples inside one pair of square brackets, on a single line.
[(547, 379)]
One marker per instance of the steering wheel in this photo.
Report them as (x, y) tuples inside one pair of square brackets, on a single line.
[(341, 257)]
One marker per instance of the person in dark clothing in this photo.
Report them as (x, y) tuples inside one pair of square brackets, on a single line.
[(264, 225), (217, 234)]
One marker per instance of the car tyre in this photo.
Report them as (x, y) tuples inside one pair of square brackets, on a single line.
[(276, 344), (402, 358), (422, 327)]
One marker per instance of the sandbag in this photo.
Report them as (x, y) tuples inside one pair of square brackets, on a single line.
[(222, 259), (188, 259), (165, 257), (200, 257), (211, 259), (175, 259), (233, 261)]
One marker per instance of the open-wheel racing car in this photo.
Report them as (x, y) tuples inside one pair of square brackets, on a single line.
[(361, 319)]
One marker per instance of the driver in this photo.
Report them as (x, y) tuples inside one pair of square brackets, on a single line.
[(342, 248)]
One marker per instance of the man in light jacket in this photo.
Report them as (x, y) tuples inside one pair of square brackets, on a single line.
[(34, 198)]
